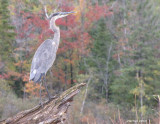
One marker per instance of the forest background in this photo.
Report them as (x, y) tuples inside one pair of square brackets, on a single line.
[(111, 45)]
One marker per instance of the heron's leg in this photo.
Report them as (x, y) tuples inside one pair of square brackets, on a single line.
[(49, 96), (40, 94)]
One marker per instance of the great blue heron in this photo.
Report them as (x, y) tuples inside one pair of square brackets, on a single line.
[(45, 55)]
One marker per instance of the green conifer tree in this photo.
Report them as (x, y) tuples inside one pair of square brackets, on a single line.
[(101, 60), (7, 37)]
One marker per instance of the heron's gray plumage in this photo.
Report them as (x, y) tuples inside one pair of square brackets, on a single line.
[(46, 52), (45, 55), (43, 59)]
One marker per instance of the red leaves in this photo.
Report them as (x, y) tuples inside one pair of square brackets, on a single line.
[(75, 38), (33, 89), (4, 76), (95, 13)]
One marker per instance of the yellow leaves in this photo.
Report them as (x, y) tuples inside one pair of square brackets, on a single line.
[(158, 63), (156, 72), (36, 9), (49, 9), (148, 78), (4, 86), (27, 1), (12, 13), (11, 8), (147, 97), (143, 109), (135, 91), (79, 8), (78, 13)]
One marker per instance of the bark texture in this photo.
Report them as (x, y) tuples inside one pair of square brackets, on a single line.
[(52, 112)]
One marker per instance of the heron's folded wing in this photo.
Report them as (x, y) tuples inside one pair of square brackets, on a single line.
[(43, 58), (34, 67)]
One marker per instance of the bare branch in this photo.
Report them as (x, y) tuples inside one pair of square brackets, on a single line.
[(55, 10), (85, 96), (45, 10), (52, 112), (49, 16), (113, 5)]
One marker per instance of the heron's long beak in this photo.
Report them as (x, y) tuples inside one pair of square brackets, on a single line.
[(67, 13)]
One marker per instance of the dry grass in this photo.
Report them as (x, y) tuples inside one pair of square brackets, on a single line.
[(10, 104)]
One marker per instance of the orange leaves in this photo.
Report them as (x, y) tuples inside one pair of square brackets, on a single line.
[(88, 118), (25, 77), (33, 89), (16, 75), (75, 38), (29, 87), (18, 63), (72, 60), (60, 74), (68, 61), (120, 54)]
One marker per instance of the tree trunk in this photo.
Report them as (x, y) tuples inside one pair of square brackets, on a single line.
[(52, 112)]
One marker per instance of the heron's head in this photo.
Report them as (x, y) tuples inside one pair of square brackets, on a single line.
[(58, 15)]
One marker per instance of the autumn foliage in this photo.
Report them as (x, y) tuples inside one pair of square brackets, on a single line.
[(33, 29), (113, 46)]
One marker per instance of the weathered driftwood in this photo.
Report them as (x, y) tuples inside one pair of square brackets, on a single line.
[(52, 112)]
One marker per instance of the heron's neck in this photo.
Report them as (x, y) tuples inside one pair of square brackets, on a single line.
[(55, 29)]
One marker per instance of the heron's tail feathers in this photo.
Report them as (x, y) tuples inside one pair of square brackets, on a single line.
[(32, 75), (36, 77)]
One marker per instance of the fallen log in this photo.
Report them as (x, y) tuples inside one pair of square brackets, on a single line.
[(52, 112)]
